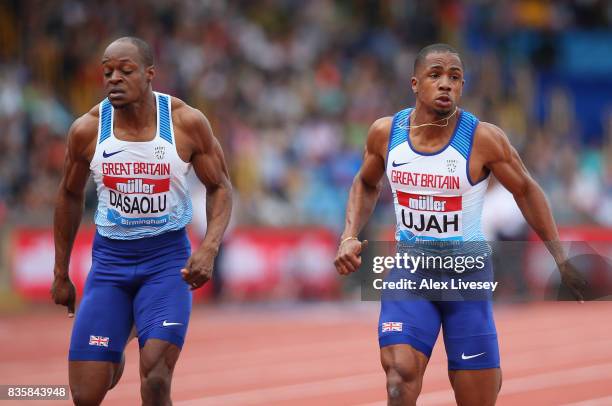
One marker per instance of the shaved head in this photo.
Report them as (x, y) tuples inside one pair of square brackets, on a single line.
[(144, 49), (431, 49)]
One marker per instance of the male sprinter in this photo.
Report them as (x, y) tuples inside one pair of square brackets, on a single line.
[(139, 146), (441, 155)]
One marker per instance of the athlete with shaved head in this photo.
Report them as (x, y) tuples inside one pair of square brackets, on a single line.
[(138, 145)]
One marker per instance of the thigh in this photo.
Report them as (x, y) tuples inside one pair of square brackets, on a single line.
[(162, 305), (405, 361), (470, 336), (91, 380), (99, 334), (104, 317), (476, 387), (158, 358), (415, 322)]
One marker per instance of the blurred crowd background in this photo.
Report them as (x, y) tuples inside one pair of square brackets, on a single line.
[(291, 88)]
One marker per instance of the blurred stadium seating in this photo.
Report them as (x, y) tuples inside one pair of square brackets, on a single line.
[(291, 87)]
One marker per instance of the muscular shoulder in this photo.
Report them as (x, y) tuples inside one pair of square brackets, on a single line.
[(192, 129), (491, 143), (378, 136), (83, 134), (186, 117), (86, 126)]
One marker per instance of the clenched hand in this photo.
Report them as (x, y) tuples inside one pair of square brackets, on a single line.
[(574, 281), (64, 293), (199, 268), (348, 258)]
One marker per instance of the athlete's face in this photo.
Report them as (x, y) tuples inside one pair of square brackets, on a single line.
[(126, 79), (438, 82)]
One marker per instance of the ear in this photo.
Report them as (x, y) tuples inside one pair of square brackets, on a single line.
[(415, 85), (150, 73)]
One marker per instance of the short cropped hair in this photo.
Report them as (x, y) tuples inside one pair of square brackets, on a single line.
[(144, 49), (434, 48)]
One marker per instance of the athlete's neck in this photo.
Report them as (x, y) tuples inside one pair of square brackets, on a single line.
[(442, 125), (138, 115)]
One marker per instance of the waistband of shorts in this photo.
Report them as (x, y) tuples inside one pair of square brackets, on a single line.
[(145, 243)]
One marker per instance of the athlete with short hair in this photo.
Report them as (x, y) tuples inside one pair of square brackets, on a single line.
[(438, 159), (139, 146)]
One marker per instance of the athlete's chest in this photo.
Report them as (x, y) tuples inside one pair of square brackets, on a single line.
[(440, 173), (150, 143), (142, 134), (157, 158)]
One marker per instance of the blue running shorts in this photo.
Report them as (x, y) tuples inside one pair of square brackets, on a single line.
[(470, 336), (132, 282)]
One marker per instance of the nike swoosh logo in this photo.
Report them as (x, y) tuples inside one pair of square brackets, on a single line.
[(166, 324), (106, 155), (396, 165), (463, 356)]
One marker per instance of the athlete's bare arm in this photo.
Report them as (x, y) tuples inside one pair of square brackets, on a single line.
[(69, 204), (196, 144), (493, 150), (363, 196)]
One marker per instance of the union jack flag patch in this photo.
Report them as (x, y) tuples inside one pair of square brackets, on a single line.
[(392, 326), (99, 341)]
